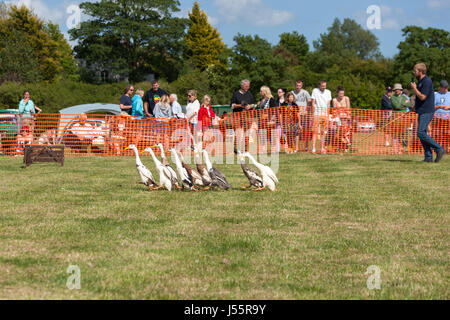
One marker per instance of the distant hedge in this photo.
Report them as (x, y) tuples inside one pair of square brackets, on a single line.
[(52, 97)]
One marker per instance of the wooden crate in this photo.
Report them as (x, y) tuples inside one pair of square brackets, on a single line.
[(43, 153)]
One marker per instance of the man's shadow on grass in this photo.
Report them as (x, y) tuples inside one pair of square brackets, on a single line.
[(398, 160)]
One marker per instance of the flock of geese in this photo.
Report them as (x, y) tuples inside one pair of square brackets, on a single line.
[(206, 176)]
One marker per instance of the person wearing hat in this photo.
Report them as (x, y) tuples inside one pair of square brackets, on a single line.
[(425, 108), (397, 127), (442, 101), (442, 115), (398, 100)]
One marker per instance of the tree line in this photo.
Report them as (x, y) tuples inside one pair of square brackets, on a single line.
[(134, 38)]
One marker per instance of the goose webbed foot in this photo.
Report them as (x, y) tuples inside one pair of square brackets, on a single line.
[(259, 189)]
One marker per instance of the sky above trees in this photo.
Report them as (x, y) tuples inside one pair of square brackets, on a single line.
[(270, 18)]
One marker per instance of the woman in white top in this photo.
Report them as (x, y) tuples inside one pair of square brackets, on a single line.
[(192, 107)]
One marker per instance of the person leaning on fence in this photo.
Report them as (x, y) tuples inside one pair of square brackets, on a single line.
[(137, 109), (163, 113), (206, 119), (27, 109), (281, 92), (442, 115), (321, 101), (290, 123), (303, 100), (176, 107), (269, 117), (192, 107), (425, 108), (152, 97), (81, 135), (126, 105), (242, 99)]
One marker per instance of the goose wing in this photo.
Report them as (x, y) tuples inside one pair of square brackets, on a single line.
[(173, 174), (146, 175), (204, 173), (254, 178), (219, 179), (268, 182), (186, 178), (271, 174)]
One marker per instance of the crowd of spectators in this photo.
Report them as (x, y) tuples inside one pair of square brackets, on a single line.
[(321, 120)]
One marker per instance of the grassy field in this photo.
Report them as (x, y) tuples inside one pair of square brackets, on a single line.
[(333, 217)]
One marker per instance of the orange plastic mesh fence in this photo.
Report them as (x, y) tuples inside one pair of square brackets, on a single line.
[(281, 129)]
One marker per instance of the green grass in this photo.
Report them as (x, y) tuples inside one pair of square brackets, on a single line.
[(332, 218)]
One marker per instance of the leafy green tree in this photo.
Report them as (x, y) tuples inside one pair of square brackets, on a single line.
[(68, 62), (295, 43), (17, 60), (348, 39), (204, 43), (32, 49), (253, 58), (431, 46), (45, 48), (131, 37)]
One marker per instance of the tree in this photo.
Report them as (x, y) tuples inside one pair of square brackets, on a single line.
[(131, 37), (68, 62), (253, 58), (431, 46), (47, 50), (17, 60), (295, 43), (204, 43), (348, 39)]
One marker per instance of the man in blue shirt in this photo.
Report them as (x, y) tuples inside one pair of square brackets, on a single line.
[(442, 101), (425, 108), (442, 106)]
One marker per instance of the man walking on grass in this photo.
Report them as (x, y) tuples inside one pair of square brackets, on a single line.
[(424, 107)]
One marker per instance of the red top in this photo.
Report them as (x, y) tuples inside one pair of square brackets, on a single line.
[(205, 115)]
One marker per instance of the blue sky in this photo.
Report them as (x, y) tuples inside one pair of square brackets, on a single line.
[(270, 18)]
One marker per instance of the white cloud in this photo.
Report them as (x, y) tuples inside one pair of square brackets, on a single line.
[(56, 15), (438, 4), (254, 12), (392, 18)]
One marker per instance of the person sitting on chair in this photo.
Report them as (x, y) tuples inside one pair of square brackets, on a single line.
[(25, 137), (80, 136)]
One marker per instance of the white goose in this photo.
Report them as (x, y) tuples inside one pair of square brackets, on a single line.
[(218, 179), (145, 174), (168, 166), (268, 176), (186, 179), (165, 177)]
